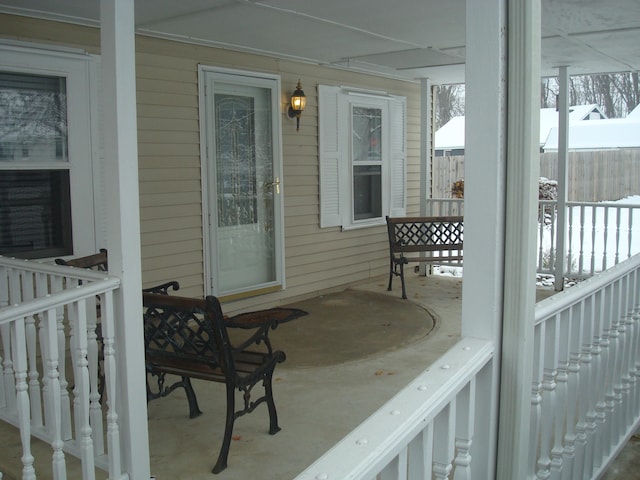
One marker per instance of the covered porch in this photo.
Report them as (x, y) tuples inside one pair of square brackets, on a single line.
[(506, 401)]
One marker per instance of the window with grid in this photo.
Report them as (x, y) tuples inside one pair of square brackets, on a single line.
[(35, 208)]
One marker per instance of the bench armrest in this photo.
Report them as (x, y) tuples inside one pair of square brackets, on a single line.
[(163, 288)]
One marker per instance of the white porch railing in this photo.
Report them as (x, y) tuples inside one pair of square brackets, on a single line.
[(598, 235), (428, 427), (585, 397), (49, 353), (586, 390)]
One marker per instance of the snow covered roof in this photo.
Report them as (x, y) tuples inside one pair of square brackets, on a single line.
[(600, 134), (635, 113), (611, 133), (451, 135)]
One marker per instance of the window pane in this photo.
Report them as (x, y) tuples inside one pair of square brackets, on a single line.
[(35, 213), (33, 118), (367, 192), (367, 123)]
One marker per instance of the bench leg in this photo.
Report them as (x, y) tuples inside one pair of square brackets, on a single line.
[(404, 291), (194, 410), (221, 463), (390, 275), (271, 405)]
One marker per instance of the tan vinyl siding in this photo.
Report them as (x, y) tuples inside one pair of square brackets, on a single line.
[(316, 260)]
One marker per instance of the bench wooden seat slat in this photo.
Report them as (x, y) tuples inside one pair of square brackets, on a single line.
[(438, 239)]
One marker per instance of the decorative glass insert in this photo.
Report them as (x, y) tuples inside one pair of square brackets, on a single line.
[(35, 206), (236, 166), (367, 162)]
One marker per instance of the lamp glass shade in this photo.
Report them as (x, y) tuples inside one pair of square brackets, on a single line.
[(298, 99), (298, 102)]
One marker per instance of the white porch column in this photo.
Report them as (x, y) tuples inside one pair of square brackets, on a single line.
[(425, 144), (123, 221), (563, 177), (484, 205), (502, 118), (523, 170)]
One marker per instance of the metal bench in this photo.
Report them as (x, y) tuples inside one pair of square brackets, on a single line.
[(436, 240), (188, 337)]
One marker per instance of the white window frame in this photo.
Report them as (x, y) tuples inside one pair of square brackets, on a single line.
[(335, 106), (81, 72)]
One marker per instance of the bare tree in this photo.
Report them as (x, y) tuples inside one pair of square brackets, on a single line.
[(616, 93), (448, 103)]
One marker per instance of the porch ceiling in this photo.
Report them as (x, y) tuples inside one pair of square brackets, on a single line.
[(411, 39)]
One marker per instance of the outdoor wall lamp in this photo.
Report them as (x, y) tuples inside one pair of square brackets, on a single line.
[(298, 102)]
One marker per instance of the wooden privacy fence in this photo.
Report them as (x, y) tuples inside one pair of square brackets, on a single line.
[(594, 176)]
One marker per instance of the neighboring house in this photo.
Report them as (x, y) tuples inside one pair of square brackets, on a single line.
[(449, 139)]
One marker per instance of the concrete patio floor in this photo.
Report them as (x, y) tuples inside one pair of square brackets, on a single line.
[(319, 399), (325, 388)]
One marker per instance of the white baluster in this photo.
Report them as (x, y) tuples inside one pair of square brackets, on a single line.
[(619, 326), (566, 381), (82, 412), (571, 440), (635, 366), (612, 338), (28, 293), (581, 248), (586, 385), (8, 378), (52, 362), (536, 397), (19, 357), (605, 236), (443, 450), (113, 432), (94, 367), (589, 382), (549, 397), (464, 431), (56, 285), (421, 454)]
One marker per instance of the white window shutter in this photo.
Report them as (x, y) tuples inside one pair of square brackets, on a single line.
[(398, 165), (329, 140)]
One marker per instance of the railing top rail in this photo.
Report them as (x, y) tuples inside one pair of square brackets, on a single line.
[(51, 269), (380, 436), (100, 283), (562, 300)]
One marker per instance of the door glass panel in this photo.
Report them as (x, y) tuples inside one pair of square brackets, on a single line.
[(236, 160), (245, 227)]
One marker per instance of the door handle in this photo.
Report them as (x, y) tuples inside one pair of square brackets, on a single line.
[(275, 183)]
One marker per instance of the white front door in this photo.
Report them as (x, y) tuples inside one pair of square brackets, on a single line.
[(243, 164)]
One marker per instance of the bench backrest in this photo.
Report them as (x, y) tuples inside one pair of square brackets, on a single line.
[(186, 329), (423, 234), (96, 261)]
